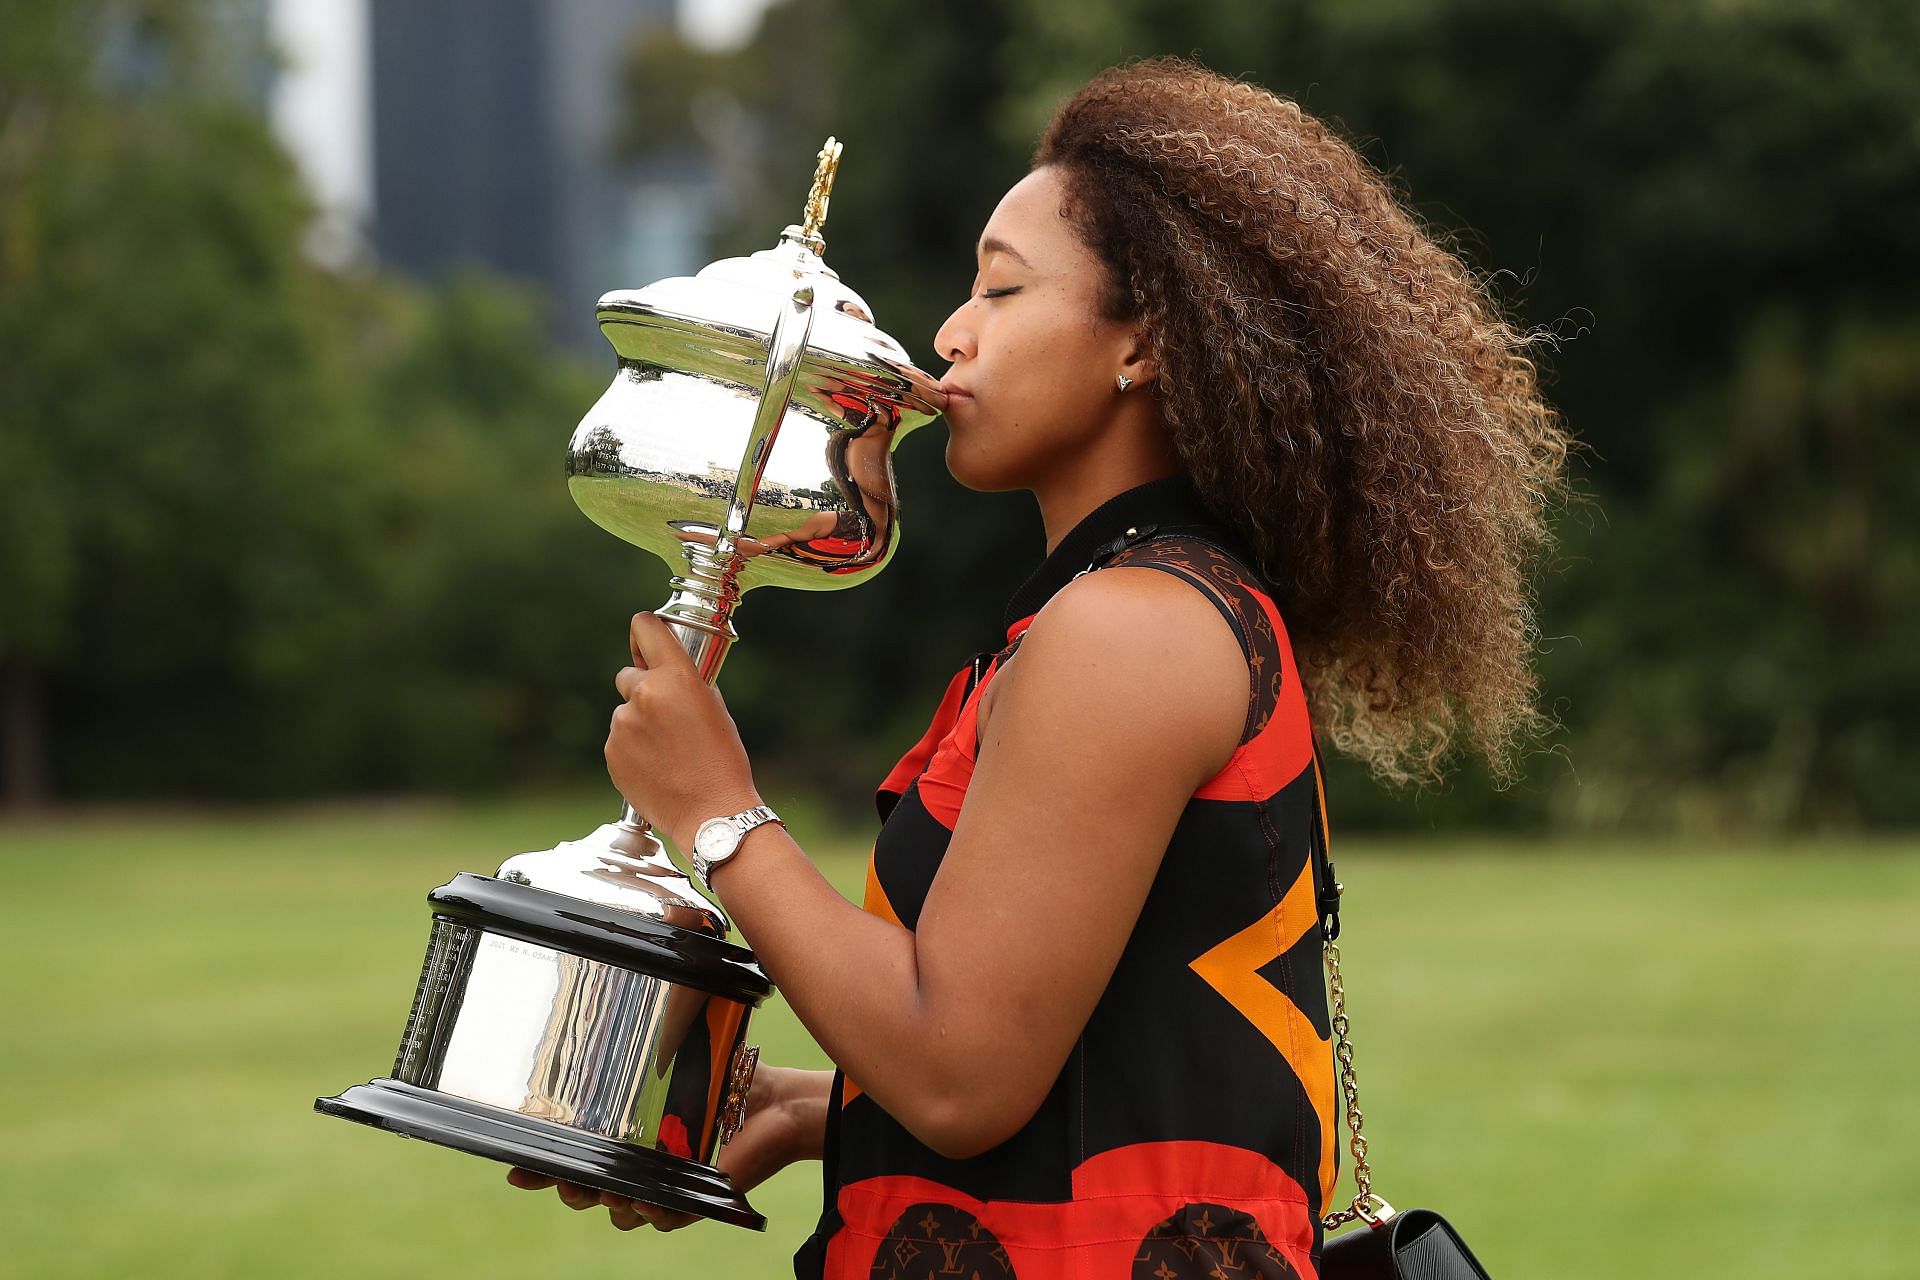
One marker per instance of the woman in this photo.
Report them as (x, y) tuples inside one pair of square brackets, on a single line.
[(1081, 1021)]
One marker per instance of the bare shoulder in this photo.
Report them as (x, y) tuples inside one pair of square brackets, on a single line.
[(1123, 610), (1127, 649)]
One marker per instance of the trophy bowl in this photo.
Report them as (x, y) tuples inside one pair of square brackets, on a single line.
[(582, 1012)]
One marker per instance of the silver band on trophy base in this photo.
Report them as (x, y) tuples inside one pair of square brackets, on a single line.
[(581, 1013)]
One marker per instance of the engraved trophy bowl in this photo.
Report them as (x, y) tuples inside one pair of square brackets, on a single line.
[(582, 1012)]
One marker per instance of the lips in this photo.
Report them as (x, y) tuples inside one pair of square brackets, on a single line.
[(955, 392)]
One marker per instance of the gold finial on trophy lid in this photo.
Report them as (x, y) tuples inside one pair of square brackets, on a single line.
[(816, 211)]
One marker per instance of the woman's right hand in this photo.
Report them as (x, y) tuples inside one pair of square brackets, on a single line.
[(785, 1123)]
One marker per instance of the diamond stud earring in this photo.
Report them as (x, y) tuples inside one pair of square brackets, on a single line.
[(1123, 381)]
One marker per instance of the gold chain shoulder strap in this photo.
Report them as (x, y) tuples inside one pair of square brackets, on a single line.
[(1366, 1204)]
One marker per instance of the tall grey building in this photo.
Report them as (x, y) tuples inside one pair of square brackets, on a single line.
[(493, 145)]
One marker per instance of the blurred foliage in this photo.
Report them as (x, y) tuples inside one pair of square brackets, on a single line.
[(265, 529), (1713, 210)]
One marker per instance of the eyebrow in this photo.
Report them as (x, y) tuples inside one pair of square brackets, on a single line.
[(993, 244)]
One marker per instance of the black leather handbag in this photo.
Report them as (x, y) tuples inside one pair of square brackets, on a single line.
[(1411, 1244), (1414, 1244)]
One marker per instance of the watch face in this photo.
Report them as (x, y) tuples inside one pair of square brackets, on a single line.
[(715, 838)]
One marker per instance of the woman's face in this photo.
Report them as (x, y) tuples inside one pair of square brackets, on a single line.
[(1032, 379)]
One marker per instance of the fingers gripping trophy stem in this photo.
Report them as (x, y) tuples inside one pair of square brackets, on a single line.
[(706, 640)]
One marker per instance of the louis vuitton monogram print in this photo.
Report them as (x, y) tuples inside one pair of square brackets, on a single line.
[(1210, 1242), (929, 1241)]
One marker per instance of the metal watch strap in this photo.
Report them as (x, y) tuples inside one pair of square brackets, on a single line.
[(747, 819), (743, 822)]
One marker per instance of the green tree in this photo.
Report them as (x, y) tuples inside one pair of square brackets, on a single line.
[(267, 530), (150, 280)]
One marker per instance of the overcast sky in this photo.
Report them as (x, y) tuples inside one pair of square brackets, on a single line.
[(719, 23)]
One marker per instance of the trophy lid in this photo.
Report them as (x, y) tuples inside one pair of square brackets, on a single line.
[(724, 314)]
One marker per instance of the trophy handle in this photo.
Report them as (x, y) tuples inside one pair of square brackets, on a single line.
[(623, 863), (700, 611)]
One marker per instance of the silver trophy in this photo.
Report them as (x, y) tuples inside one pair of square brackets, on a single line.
[(581, 1012)]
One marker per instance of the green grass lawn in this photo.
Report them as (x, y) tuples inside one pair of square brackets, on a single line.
[(1598, 1061)]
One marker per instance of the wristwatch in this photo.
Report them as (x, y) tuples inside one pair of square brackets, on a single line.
[(717, 839)]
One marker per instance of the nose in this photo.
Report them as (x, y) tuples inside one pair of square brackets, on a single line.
[(955, 340)]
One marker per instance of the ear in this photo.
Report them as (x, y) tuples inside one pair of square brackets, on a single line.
[(1138, 361)]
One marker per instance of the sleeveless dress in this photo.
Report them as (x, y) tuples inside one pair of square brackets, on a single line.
[(1191, 1133)]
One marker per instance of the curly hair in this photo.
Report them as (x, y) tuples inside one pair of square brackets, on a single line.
[(1343, 390)]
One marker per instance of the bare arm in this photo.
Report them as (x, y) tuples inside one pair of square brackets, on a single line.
[(1126, 695)]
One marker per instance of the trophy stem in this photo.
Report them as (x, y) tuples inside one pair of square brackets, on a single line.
[(700, 615), (700, 611)]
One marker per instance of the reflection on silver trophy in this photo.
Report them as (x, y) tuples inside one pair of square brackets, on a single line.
[(581, 1013)]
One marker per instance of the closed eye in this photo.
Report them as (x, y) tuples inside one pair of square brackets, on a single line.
[(1002, 292)]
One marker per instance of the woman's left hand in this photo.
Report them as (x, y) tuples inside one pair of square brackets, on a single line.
[(672, 749)]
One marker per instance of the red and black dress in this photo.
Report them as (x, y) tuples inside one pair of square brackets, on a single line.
[(1192, 1131)]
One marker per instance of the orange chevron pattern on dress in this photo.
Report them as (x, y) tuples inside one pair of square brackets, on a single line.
[(1233, 969)]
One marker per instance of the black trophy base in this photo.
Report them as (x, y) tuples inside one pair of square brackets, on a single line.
[(639, 1173)]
